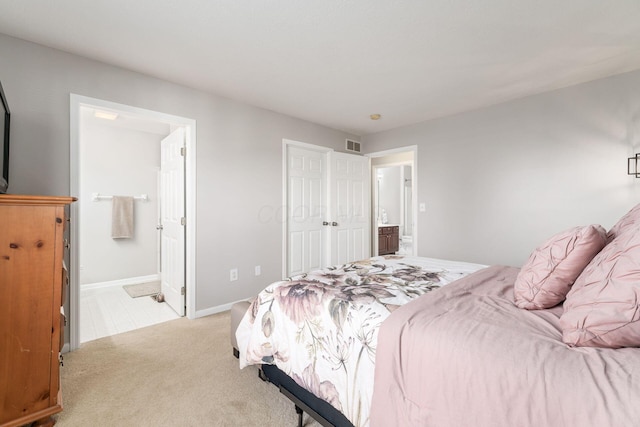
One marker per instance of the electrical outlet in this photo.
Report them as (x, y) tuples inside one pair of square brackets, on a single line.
[(258, 270), (233, 274)]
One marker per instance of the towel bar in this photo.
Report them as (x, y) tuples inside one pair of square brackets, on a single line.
[(97, 196)]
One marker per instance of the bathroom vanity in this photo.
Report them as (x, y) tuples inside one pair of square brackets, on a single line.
[(388, 239)]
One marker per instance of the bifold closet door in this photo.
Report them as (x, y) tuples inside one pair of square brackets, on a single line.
[(328, 209)]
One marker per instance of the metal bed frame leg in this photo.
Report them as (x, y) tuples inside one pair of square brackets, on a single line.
[(300, 414), (262, 375), (300, 406)]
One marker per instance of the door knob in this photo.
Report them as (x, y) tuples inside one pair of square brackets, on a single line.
[(325, 223), (334, 224), (159, 227)]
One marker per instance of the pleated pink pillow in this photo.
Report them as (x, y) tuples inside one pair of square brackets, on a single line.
[(547, 276), (603, 307), (630, 221)]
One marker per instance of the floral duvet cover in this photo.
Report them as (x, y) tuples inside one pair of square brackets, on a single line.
[(321, 328)]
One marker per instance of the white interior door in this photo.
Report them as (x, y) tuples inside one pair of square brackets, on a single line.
[(306, 202), (350, 197), (172, 217)]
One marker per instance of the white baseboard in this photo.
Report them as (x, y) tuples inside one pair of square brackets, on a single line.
[(121, 282), (217, 309)]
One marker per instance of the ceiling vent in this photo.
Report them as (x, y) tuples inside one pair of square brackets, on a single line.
[(353, 146)]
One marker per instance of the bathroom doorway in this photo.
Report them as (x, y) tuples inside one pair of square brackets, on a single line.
[(117, 153), (393, 187)]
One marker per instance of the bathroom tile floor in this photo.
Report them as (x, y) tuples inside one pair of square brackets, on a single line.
[(110, 311)]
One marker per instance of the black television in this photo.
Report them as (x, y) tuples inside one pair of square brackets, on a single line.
[(5, 121)]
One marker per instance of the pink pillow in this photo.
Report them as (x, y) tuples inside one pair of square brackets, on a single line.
[(629, 221), (603, 307), (547, 276)]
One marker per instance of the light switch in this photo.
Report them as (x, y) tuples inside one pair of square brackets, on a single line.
[(423, 207)]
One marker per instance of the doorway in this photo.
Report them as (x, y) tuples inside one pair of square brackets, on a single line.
[(125, 148), (394, 186)]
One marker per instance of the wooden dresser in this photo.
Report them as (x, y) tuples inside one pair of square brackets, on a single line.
[(31, 296), (388, 239)]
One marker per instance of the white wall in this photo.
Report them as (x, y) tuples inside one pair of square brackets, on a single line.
[(500, 180), (117, 161), (389, 193), (496, 181), (239, 164)]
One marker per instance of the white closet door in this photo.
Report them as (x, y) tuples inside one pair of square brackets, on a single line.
[(172, 216), (349, 208), (306, 202)]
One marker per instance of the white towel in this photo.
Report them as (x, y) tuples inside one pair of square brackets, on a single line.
[(122, 217)]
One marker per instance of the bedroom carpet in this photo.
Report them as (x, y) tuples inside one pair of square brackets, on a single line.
[(177, 373)]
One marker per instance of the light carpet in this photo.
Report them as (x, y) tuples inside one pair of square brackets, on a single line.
[(142, 289), (177, 373)]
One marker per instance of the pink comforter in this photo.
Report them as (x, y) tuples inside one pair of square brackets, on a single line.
[(467, 356)]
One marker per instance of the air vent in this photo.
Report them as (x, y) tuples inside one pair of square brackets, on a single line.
[(353, 146)]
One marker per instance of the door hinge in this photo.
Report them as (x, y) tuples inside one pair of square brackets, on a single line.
[(182, 290), (183, 221), (183, 151)]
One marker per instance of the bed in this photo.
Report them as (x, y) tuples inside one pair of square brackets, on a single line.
[(317, 332), (468, 356), (383, 342)]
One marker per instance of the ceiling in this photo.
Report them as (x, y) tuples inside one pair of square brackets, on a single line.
[(336, 62)]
